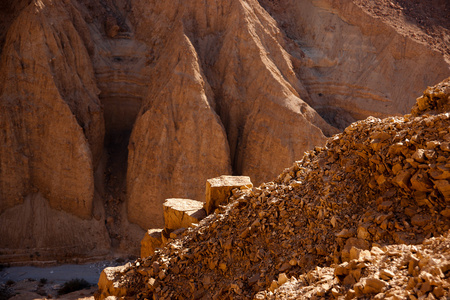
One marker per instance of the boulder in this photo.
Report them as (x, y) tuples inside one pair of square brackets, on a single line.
[(181, 213), (108, 284), (218, 190), (151, 241)]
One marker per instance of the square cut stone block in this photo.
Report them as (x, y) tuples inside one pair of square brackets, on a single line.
[(181, 213), (151, 241), (218, 190)]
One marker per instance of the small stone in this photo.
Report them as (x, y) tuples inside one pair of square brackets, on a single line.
[(384, 206), (444, 187), (381, 179), (396, 168), (386, 274), (346, 233), (223, 267), (402, 179), (342, 269), (282, 279), (420, 220), (446, 212), (431, 145), (419, 155), (333, 221), (445, 146), (363, 233), (335, 293), (273, 286), (353, 242), (162, 274), (438, 292), (412, 264), (420, 182), (373, 285)]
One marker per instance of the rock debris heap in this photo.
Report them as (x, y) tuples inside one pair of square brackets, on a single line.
[(365, 216)]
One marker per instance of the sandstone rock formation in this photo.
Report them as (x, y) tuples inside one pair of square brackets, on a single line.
[(365, 216), (348, 33), (34, 231), (52, 129), (123, 104)]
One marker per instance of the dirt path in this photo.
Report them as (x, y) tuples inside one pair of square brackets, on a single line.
[(44, 282)]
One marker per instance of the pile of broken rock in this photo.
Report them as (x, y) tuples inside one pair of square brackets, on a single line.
[(366, 216)]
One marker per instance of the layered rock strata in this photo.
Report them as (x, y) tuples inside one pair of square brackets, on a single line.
[(128, 103), (52, 131), (376, 85)]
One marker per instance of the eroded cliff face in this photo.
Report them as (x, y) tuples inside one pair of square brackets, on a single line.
[(51, 119), (110, 107), (357, 63)]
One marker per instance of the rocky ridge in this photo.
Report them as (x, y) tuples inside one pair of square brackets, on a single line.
[(366, 216)]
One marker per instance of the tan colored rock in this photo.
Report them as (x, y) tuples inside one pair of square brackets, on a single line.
[(354, 18), (151, 241), (180, 77), (353, 243), (218, 190), (53, 124), (386, 274), (108, 285), (435, 99), (183, 111), (373, 285), (182, 213), (52, 234)]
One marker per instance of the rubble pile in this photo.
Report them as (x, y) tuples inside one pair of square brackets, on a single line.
[(180, 214), (391, 272), (435, 99), (365, 216)]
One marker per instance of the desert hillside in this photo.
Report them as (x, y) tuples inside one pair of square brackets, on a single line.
[(107, 108), (367, 216)]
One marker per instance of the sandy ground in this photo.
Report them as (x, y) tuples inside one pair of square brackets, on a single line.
[(28, 282)]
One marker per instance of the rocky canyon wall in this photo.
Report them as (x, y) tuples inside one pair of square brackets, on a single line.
[(110, 107)]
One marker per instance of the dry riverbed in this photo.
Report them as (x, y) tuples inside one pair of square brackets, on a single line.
[(28, 282)]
